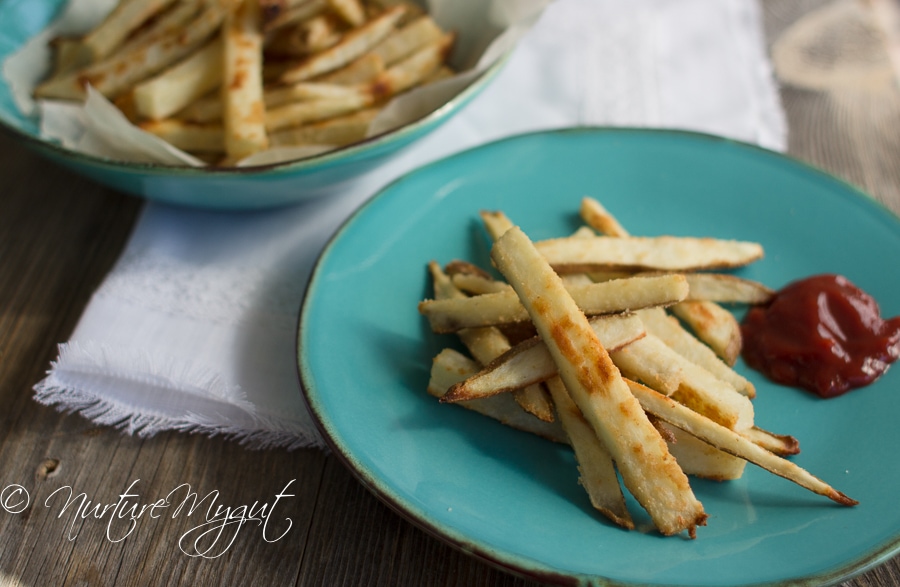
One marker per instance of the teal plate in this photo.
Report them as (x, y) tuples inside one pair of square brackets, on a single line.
[(245, 188), (513, 499)]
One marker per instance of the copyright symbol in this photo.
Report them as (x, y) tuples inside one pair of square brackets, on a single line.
[(14, 499)]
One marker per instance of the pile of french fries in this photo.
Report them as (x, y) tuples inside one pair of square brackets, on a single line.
[(619, 346), (226, 79)]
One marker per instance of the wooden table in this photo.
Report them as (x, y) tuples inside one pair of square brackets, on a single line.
[(59, 235)]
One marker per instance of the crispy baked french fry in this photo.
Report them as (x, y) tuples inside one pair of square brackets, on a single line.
[(670, 331), (407, 40), (648, 469), (355, 43), (125, 18), (666, 253), (595, 463), (281, 95), (306, 37), (68, 55), (530, 361), (243, 109), (338, 131), (594, 299), (651, 361), (291, 13), (299, 113), (359, 71), (173, 89), (450, 366), (477, 285), (722, 288), (488, 343), (175, 18), (698, 459), (714, 325), (731, 442), (351, 11), (598, 217), (124, 69), (780, 444), (190, 137), (413, 70)]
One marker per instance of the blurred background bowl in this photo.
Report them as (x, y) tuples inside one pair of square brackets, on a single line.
[(255, 187)]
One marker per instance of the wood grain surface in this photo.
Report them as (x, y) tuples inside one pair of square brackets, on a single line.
[(60, 234)]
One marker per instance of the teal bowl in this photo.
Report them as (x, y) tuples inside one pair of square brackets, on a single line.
[(257, 187)]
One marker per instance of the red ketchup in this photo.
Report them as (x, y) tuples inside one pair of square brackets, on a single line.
[(822, 334)]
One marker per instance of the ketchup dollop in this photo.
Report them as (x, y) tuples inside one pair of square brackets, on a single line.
[(822, 334)]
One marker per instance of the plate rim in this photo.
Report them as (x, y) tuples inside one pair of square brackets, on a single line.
[(507, 562)]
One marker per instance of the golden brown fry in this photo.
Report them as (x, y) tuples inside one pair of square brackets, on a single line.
[(670, 331), (530, 361), (299, 113), (597, 217), (449, 367), (175, 88), (731, 442), (405, 41), (729, 289), (190, 137), (355, 43), (338, 131), (291, 14), (309, 36), (651, 361), (359, 71), (594, 299), (351, 11), (698, 459), (488, 343), (595, 463), (126, 17), (714, 325), (665, 253), (244, 111), (648, 469), (414, 69), (122, 70)]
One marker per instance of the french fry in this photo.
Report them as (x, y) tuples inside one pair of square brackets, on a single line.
[(731, 442), (450, 366), (413, 70), (714, 325), (698, 459), (664, 253), (351, 11), (306, 37), (125, 18), (190, 137), (299, 113), (123, 70), (651, 361), (354, 44), (281, 95), (670, 331), (598, 217), (244, 112), (530, 362), (595, 463), (780, 444), (405, 41), (648, 469), (175, 88), (722, 288), (361, 70), (338, 131), (291, 13), (175, 18), (488, 343), (594, 299), (477, 285)]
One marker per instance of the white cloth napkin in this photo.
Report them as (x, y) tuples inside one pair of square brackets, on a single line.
[(194, 328)]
